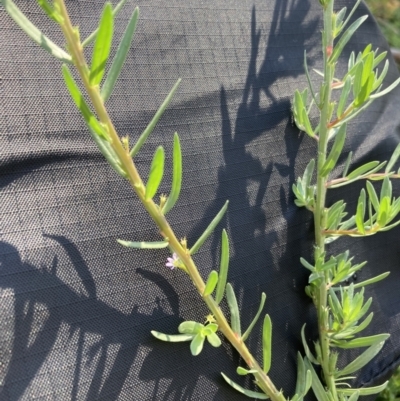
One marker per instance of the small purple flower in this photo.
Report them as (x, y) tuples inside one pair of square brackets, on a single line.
[(172, 262)]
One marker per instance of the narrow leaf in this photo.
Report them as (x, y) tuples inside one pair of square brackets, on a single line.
[(267, 344), (34, 33), (387, 90), (334, 154), (345, 38), (365, 390), (362, 341), (393, 159), (308, 78), (156, 173), (176, 176), (309, 355), (344, 97), (209, 229), (223, 268), (361, 360), (93, 35), (371, 280), (120, 56), (317, 386), (211, 283), (144, 245), (249, 393), (172, 338), (153, 122), (361, 212), (256, 317), (77, 97), (102, 45), (308, 172), (360, 171), (234, 309), (373, 196)]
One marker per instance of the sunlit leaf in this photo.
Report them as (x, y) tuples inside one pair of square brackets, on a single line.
[(256, 317), (172, 338), (248, 393), (267, 344), (176, 176), (143, 244), (209, 230), (101, 49), (211, 283), (234, 309), (120, 57), (149, 129), (34, 33), (223, 269), (156, 173)]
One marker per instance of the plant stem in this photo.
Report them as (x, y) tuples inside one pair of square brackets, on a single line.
[(76, 50), (319, 212)]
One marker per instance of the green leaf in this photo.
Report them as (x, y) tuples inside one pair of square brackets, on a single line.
[(102, 45), (156, 173), (190, 327), (256, 317), (211, 283), (309, 355), (364, 324), (364, 391), (362, 170), (209, 229), (384, 210), (108, 152), (172, 338), (387, 90), (308, 77), (317, 386), (345, 38), (243, 372), (34, 33), (50, 11), (176, 176), (386, 189), (361, 212), (351, 13), (223, 267), (384, 72), (93, 35), (234, 309), (334, 154), (361, 360), (362, 341), (154, 121), (144, 245), (120, 56), (371, 280), (267, 344), (196, 346), (77, 97), (214, 340), (373, 196), (395, 156), (249, 393), (344, 97), (308, 173)]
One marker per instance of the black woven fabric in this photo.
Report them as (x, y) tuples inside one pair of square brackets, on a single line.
[(76, 309)]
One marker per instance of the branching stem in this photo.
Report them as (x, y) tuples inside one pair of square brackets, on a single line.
[(76, 50)]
